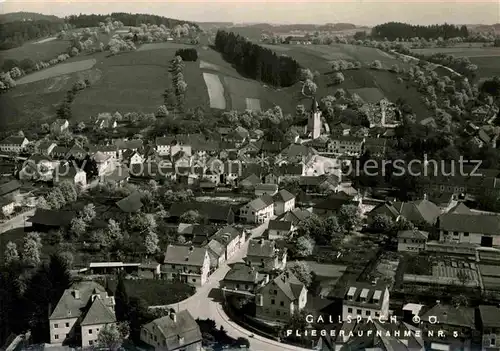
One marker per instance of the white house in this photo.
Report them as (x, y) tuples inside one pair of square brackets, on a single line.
[(163, 145), (103, 162), (365, 300), (13, 144), (412, 240), (108, 150), (66, 171), (284, 201), (259, 210), (231, 238), (279, 229), (59, 126), (188, 264), (6, 206)]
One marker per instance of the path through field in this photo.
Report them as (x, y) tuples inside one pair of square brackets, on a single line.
[(45, 40), (58, 70), (215, 91)]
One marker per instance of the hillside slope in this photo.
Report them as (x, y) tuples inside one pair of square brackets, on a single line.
[(27, 16)]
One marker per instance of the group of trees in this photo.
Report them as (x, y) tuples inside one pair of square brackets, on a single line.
[(14, 34), (179, 85), (64, 193), (128, 19), (393, 30), (256, 61), (64, 109), (187, 54)]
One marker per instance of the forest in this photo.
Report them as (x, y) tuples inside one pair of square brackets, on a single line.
[(255, 61), (128, 19), (187, 54), (393, 30), (14, 34)]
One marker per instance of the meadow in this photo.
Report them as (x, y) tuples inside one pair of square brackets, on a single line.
[(36, 51), (57, 70)]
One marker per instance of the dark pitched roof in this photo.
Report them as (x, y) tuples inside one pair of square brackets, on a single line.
[(211, 211), (261, 202), (279, 225), (460, 208), (451, 315), (413, 234), (261, 248), (54, 218), (356, 292), (241, 272), (295, 216), (13, 140), (267, 187), (98, 313), (185, 255), (298, 150), (252, 180), (129, 144), (335, 202), (489, 316), (288, 283), (470, 223), (183, 327), (283, 196), (227, 234), (131, 203), (9, 187)]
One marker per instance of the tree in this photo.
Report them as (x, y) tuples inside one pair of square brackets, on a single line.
[(309, 88), (162, 111), (191, 216), (338, 78), (339, 93), (110, 337), (11, 255), (382, 223), (460, 300), (78, 226), (302, 271), (121, 300), (88, 213), (45, 128), (349, 217), (114, 230), (151, 243), (305, 74), (181, 239), (304, 246), (376, 65), (68, 258), (32, 249), (68, 190)]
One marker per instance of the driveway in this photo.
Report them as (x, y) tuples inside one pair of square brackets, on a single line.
[(202, 305)]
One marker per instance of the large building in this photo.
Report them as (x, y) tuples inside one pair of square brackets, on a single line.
[(176, 332), (265, 256), (314, 121), (259, 210), (187, 264), (82, 311), (281, 298), (365, 300), (480, 229)]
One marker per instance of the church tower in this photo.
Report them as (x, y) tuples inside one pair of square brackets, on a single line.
[(314, 120)]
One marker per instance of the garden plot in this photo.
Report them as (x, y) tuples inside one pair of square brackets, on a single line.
[(215, 91), (58, 70), (253, 104), (243, 93)]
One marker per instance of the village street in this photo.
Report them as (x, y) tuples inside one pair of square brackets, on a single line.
[(203, 305)]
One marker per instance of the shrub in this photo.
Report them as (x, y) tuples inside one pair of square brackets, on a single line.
[(187, 54)]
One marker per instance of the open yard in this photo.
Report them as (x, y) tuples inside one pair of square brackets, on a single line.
[(58, 70), (215, 91), (156, 292), (253, 104), (240, 90)]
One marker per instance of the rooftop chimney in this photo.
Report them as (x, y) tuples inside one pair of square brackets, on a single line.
[(191, 248), (173, 316), (438, 302), (76, 294), (261, 241)]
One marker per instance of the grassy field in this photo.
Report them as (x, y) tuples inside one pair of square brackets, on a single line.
[(156, 292), (36, 51), (215, 91), (58, 70)]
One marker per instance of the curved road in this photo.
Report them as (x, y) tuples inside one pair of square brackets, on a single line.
[(202, 305)]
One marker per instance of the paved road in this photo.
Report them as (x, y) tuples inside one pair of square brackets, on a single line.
[(202, 305), (17, 222)]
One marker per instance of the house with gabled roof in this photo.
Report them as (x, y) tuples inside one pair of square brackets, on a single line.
[(340, 129), (477, 228), (231, 238), (59, 126), (489, 325), (284, 201), (420, 212), (13, 144), (346, 145), (262, 189), (177, 331), (295, 216), (366, 301), (281, 298), (188, 264), (277, 229), (412, 240), (108, 150), (68, 171), (45, 147), (44, 220), (250, 181), (259, 210), (82, 311), (77, 151), (215, 213), (131, 203), (10, 189), (243, 279), (265, 255), (103, 162)]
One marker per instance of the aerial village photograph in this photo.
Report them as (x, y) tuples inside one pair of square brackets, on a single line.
[(249, 175)]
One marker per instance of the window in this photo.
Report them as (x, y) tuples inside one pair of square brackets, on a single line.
[(493, 341), (368, 313), (466, 234), (349, 310), (56, 325), (272, 301), (359, 312), (377, 314), (455, 233), (277, 313), (90, 331), (67, 325), (237, 286), (246, 286), (91, 342), (282, 303), (56, 336), (194, 280)]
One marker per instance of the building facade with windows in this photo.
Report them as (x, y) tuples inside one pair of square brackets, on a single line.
[(365, 300)]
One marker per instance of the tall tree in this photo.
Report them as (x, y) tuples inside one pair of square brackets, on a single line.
[(11, 255), (121, 301), (110, 337)]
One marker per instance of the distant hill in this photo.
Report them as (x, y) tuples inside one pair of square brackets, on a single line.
[(213, 25), (128, 19), (484, 27), (27, 16), (300, 27)]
